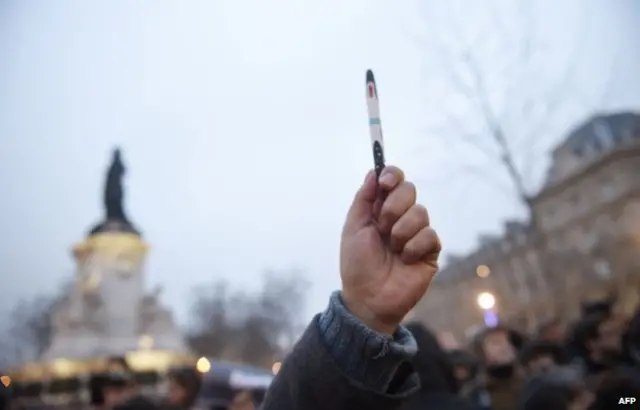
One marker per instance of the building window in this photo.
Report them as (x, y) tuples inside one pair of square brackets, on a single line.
[(602, 269), (578, 151), (604, 135), (596, 145)]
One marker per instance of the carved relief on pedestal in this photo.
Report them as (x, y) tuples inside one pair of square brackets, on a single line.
[(156, 319), (94, 318)]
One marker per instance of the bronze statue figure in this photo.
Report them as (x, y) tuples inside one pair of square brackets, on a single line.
[(115, 218), (113, 193)]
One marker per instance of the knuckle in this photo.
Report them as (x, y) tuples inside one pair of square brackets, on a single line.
[(435, 238), (421, 213), (401, 230), (410, 187)]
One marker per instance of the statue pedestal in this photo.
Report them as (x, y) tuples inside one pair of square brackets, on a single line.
[(107, 312)]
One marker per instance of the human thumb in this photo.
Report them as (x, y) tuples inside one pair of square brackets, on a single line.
[(361, 212)]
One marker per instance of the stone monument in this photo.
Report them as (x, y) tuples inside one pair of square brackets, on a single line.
[(106, 311)]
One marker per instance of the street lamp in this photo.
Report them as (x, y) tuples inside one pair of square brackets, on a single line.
[(486, 301), (203, 365), (483, 271)]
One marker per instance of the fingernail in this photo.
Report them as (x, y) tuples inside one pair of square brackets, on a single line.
[(388, 179)]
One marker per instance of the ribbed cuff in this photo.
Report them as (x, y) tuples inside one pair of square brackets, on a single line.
[(365, 356)]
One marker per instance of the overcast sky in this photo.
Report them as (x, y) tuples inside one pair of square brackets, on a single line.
[(244, 129)]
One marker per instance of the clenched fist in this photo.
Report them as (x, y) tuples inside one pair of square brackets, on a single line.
[(388, 253)]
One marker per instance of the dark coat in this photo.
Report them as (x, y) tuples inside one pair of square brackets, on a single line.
[(438, 386), (309, 379)]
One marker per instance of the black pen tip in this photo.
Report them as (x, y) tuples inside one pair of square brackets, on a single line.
[(370, 78)]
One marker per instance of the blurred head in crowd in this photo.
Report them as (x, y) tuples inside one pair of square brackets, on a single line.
[(5, 398), (438, 385), (542, 356), (184, 385), (465, 365), (622, 382), (118, 388), (599, 307), (633, 340), (553, 330), (243, 400), (495, 347), (137, 403), (559, 389), (598, 338), (431, 362)]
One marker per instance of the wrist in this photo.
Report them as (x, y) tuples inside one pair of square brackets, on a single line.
[(367, 317)]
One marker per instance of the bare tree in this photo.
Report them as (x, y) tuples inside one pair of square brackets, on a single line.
[(506, 96), (30, 329), (509, 93), (253, 328)]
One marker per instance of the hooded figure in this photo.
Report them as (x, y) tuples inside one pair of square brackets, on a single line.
[(438, 386)]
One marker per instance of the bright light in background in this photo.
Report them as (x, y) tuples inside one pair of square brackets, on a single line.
[(145, 342), (276, 367), (486, 301), (203, 365), (491, 318), (483, 271), (5, 380)]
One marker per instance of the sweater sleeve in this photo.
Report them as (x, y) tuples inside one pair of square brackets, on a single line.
[(339, 363)]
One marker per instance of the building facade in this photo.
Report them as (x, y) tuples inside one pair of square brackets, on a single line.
[(585, 241)]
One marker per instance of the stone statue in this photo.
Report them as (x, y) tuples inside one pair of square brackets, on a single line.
[(113, 193)]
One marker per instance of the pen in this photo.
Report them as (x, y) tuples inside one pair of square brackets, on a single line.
[(375, 128)]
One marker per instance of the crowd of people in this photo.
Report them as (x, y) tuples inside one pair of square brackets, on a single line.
[(358, 355), (589, 364)]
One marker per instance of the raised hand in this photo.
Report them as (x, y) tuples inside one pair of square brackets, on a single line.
[(388, 252)]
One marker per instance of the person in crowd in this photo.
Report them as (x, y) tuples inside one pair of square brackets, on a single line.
[(118, 388), (553, 330), (597, 339), (517, 339), (619, 383), (438, 385), (557, 389), (540, 356), (5, 398), (243, 400), (184, 386), (137, 402), (631, 342), (503, 379), (356, 355), (465, 368), (598, 307)]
